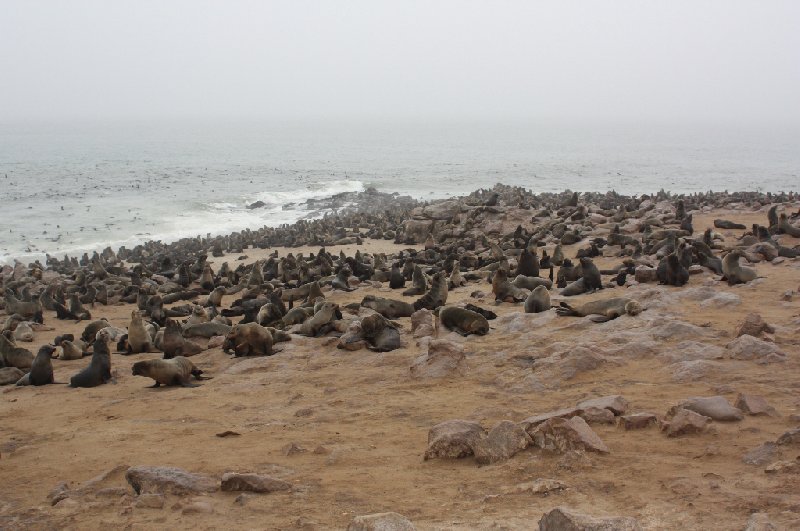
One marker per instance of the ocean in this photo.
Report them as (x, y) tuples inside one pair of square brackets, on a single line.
[(73, 188)]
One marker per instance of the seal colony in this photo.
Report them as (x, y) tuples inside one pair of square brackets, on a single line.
[(485, 299)]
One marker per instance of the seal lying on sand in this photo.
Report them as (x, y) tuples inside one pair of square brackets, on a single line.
[(175, 371), (602, 310), (463, 321), (391, 309)]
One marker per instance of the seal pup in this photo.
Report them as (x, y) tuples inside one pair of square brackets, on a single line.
[(23, 332), (70, 351), (90, 331), (340, 280), (250, 339), (77, 309), (538, 301), (41, 372), (602, 310), (463, 321), (735, 273), (176, 371), (98, 371), (436, 296)]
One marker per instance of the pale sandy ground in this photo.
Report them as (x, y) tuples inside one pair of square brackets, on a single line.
[(372, 420)]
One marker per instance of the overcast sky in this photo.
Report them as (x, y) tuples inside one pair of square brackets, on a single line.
[(698, 61)]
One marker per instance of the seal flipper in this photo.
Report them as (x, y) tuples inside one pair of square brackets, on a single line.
[(598, 318)]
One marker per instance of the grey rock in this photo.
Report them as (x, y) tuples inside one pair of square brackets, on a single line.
[(638, 421), (754, 405), (535, 420), (381, 522), (253, 483), (168, 480), (443, 358), (754, 325), (714, 407), (759, 522), (150, 501), (560, 435), (595, 415), (685, 422), (565, 519), (790, 437), (617, 404), (751, 348), (761, 455)]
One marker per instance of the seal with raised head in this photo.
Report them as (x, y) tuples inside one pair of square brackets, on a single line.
[(735, 273), (174, 344), (504, 290), (601, 310), (138, 338), (176, 371), (419, 282), (396, 279), (99, 370), (436, 296), (463, 321), (41, 372), (321, 322), (12, 355), (538, 301)]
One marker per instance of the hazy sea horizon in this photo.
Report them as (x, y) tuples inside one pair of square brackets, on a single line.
[(74, 188)]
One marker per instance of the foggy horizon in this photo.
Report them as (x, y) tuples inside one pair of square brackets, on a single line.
[(626, 62)]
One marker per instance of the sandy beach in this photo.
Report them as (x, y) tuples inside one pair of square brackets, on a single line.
[(348, 430)]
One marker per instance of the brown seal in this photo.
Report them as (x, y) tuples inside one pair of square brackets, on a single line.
[(463, 321), (176, 371), (436, 296), (389, 308), (138, 338), (98, 371), (250, 339), (174, 343), (12, 355), (538, 301), (735, 273), (601, 310), (41, 372)]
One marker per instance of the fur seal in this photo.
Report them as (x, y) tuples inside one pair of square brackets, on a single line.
[(419, 282), (90, 331), (340, 280), (396, 279), (250, 339), (538, 301), (70, 351), (215, 297), (174, 343), (23, 332), (725, 224), (591, 275), (138, 338), (41, 372), (463, 321), (528, 264), (785, 227), (436, 296), (389, 308), (532, 282), (176, 371), (671, 271), (98, 371), (504, 290), (735, 273), (601, 310), (77, 309), (321, 322), (206, 330), (10, 375), (381, 334), (12, 355)]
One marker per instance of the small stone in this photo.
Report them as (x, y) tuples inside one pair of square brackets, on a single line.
[(754, 405), (638, 421), (783, 466), (292, 449), (168, 480), (594, 415), (565, 519), (714, 407), (198, 507), (381, 522), (759, 522), (253, 483), (150, 501), (790, 437), (453, 439), (321, 450), (615, 403), (503, 442), (685, 422), (59, 492), (537, 486), (761, 455), (753, 325), (787, 296)]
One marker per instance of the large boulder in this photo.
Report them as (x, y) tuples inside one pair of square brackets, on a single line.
[(422, 323), (565, 519), (453, 439), (753, 325), (416, 231), (747, 347), (685, 422), (615, 403)]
